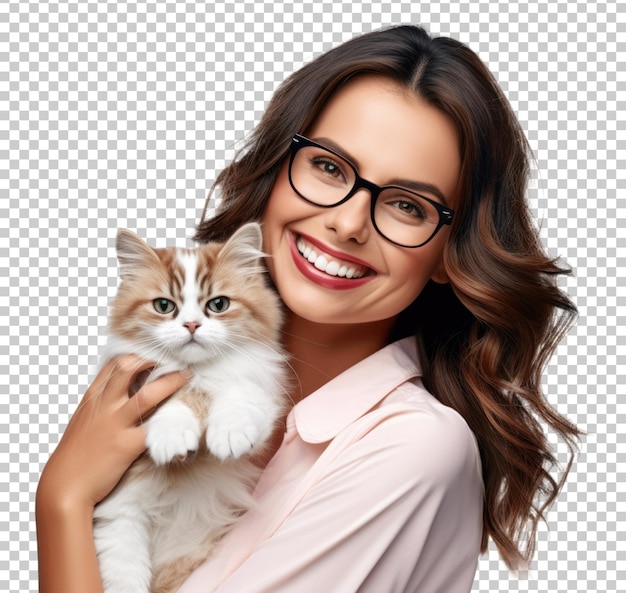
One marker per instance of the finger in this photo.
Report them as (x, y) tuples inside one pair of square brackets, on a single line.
[(118, 374), (155, 392)]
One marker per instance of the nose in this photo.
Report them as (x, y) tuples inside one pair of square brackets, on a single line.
[(352, 219), (192, 326)]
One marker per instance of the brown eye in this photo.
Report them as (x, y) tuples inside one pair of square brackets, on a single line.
[(327, 166), (163, 306), (218, 304)]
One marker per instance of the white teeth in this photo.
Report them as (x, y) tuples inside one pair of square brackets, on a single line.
[(321, 263), (332, 268)]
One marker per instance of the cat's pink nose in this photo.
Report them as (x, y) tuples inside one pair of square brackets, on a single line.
[(192, 326)]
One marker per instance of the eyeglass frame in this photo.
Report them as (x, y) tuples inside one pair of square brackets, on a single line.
[(445, 214)]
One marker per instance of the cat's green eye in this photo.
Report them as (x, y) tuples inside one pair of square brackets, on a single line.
[(163, 306), (218, 304)]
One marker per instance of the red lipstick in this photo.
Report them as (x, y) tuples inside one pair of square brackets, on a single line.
[(323, 279)]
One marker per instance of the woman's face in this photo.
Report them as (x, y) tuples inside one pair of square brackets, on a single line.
[(392, 137)]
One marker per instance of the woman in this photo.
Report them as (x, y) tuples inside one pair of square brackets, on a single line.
[(390, 176)]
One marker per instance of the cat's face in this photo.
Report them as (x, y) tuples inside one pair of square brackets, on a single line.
[(189, 305)]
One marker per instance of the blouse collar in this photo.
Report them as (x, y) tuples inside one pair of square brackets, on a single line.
[(326, 412)]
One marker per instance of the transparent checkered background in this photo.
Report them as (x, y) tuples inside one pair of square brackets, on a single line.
[(116, 114)]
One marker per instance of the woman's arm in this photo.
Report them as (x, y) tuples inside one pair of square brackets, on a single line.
[(67, 557), (102, 439)]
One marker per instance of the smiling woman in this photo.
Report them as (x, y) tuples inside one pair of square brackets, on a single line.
[(389, 175), (489, 320), (421, 146)]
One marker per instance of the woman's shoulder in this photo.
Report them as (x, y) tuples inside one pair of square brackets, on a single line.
[(424, 433), (412, 396)]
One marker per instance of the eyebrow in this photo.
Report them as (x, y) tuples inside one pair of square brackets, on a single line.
[(417, 186)]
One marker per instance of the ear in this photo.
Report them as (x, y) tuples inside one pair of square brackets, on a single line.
[(243, 249), (133, 253)]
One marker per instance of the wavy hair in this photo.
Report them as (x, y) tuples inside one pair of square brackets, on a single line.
[(488, 333)]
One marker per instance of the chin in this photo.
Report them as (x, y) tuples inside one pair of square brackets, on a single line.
[(191, 353)]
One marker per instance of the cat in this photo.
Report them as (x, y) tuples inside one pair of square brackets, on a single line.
[(210, 310)]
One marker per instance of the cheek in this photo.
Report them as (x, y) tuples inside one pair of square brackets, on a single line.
[(166, 332), (213, 329), (411, 272), (278, 196), (404, 293), (282, 206)]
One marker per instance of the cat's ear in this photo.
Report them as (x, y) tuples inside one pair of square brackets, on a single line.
[(133, 253), (243, 249)]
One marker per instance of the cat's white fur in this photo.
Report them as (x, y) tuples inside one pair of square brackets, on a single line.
[(166, 511)]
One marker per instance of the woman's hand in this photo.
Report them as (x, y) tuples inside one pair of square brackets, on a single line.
[(105, 434), (102, 439)]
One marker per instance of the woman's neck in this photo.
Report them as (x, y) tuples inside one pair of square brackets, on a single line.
[(321, 352)]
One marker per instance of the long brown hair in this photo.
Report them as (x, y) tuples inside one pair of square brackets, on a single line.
[(484, 338)]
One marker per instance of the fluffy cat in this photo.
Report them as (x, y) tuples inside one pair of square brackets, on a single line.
[(207, 309)]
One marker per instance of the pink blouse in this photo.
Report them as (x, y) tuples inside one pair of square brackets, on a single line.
[(376, 488)]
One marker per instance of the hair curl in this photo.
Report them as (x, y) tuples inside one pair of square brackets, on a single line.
[(489, 333)]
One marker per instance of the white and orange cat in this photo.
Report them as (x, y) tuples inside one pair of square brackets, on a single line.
[(210, 310)]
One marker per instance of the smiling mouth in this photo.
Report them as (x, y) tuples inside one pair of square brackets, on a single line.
[(329, 264)]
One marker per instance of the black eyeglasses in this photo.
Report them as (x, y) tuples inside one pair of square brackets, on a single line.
[(324, 178)]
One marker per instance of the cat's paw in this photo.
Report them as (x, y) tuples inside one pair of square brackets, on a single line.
[(231, 441), (172, 433)]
